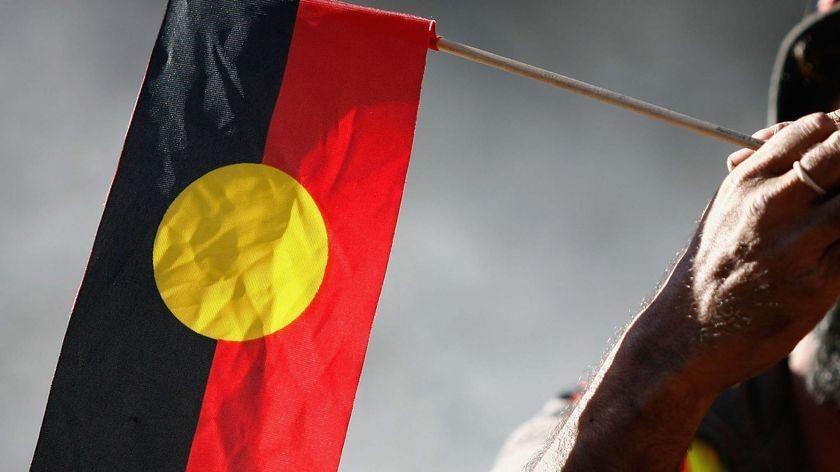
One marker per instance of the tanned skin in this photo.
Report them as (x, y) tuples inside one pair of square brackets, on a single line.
[(761, 271)]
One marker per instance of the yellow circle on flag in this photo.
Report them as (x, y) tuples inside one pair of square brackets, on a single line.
[(240, 253)]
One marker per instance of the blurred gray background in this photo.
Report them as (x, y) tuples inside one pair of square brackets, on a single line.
[(534, 222)]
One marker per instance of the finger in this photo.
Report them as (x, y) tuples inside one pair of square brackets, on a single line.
[(820, 165), (737, 158), (741, 155), (822, 162), (822, 227), (778, 154)]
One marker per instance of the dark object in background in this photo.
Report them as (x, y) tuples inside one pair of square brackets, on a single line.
[(806, 77)]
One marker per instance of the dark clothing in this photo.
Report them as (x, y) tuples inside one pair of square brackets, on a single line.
[(753, 426)]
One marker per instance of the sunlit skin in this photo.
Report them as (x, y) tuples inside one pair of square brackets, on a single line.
[(761, 271)]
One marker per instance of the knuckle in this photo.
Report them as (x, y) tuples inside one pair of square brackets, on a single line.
[(766, 133), (757, 206), (818, 121), (736, 180), (833, 142), (747, 177), (825, 150), (779, 126), (767, 204)]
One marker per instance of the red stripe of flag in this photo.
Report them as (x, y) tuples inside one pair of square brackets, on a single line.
[(343, 127)]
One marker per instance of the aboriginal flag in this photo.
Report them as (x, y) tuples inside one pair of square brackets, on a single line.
[(225, 311)]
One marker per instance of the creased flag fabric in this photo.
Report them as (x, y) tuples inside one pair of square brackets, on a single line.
[(223, 318)]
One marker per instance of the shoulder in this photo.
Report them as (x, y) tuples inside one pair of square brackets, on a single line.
[(531, 436)]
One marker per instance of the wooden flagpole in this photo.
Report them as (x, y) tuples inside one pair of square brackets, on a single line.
[(592, 91)]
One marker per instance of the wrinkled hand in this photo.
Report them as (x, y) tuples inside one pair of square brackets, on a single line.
[(761, 271), (764, 265)]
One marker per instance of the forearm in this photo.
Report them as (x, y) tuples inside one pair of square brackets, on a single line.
[(761, 271), (641, 409)]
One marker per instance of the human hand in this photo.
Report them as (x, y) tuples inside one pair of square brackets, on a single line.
[(764, 265), (741, 155)]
